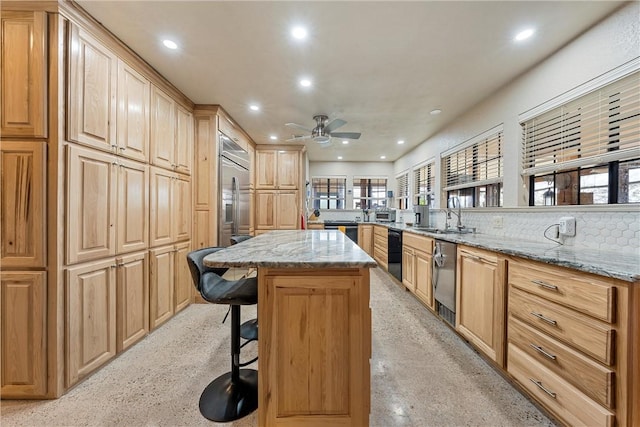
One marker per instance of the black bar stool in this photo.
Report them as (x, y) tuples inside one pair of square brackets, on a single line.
[(233, 395), (249, 329)]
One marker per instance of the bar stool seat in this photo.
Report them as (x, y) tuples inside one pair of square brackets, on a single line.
[(233, 395)]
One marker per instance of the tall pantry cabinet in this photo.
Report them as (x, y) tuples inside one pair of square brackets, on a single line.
[(96, 163)]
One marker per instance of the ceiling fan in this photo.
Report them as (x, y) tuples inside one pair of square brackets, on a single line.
[(323, 132)]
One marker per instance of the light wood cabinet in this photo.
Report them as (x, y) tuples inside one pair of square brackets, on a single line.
[(572, 344), (365, 238), (132, 297), (315, 226), (23, 98), (22, 214), (277, 169), (93, 73), (23, 340), (184, 140), (480, 301), (171, 133), (381, 246), (170, 208), (161, 285), (107, 205), (183, 282), (91, 204), (133, 114), (90, 318), (163, 129), (276, 210), (132, 207), (417, 254)]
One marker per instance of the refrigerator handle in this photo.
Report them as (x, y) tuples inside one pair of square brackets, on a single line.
[(235, 200)]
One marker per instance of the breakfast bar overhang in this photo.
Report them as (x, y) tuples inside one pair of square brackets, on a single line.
[(315, 326)]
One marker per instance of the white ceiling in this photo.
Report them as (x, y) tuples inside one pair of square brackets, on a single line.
[(382, 66)]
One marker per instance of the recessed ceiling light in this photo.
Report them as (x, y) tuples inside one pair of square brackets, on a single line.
[(383, 157), (299, 33), (254, 107), (400, 141), (345, 142), (305, 82), (170, 44), (282, 151), (525, 34), (273, 137), (435, 112), (339, 157)]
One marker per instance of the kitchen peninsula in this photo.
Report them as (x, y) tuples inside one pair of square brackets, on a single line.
[(315, 325)]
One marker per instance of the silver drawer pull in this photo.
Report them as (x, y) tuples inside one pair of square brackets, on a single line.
[(545, 285), (539, 384), (546, 319), (541, 351)]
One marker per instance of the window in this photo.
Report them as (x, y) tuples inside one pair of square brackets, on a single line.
[(424, 181), (328, 193), (402, 191), (473, 173), (369, 193), (586, 151)]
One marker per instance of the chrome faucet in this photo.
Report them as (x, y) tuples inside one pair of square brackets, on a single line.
[(452, 203)]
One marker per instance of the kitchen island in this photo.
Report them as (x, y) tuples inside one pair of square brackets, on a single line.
[(315, 326)]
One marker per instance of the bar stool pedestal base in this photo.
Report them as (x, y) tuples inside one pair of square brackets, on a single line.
[(223, 400)]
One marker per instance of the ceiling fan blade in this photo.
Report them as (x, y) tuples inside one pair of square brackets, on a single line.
[(298, 138), (335, 124), (295, 125), (350, 135)]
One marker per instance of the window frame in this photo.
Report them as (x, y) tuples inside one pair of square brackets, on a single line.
[(368, 197), (338, 200)]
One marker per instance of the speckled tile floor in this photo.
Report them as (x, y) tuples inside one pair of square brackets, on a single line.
[(422, 374)]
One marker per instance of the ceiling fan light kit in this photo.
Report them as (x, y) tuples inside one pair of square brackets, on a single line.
[(323, 131)]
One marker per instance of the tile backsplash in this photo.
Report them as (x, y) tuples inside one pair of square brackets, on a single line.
[(606, 230)]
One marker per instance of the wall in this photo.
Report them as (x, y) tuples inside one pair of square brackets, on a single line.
[(609, 44)]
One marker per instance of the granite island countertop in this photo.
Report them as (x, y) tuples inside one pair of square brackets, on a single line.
[(623, 266), (294, 249)]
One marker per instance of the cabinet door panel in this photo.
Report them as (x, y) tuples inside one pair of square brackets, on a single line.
[(408, 272), (287, 211), (92, 92), (181, 209), (424, 272), (133, 114), (23, 350), (22, 214), (266, 169), (133, 206), (184, 282), (184, 140), (23, 97), (91, 204), (161, 284), (163, 127), (265, 210), (90, 293), (161, 209), (132, 299), (288, 170)]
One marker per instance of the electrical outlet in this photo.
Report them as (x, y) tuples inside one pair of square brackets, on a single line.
[(497, 222), (567, 226)]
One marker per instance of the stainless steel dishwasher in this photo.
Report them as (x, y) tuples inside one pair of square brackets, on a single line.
[(444, 280)]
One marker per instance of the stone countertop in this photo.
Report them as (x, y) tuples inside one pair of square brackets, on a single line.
[(294, 249), (624, 266)]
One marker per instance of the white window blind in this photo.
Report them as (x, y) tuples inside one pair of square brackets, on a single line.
[(424, 180), (599, 127), (477, 164), (402, 185)]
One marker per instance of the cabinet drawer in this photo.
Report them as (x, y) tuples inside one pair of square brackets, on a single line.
[(580, 291), (586, 334), (381, 242), (422, 243), (380, 231), (566, 401), (590, 377)]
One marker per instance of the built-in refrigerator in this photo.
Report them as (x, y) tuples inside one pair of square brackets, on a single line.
[(234, 202)]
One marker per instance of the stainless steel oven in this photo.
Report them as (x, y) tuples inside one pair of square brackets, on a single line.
[(385, 215)]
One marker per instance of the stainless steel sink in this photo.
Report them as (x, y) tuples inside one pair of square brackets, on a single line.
[(446, 231)]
